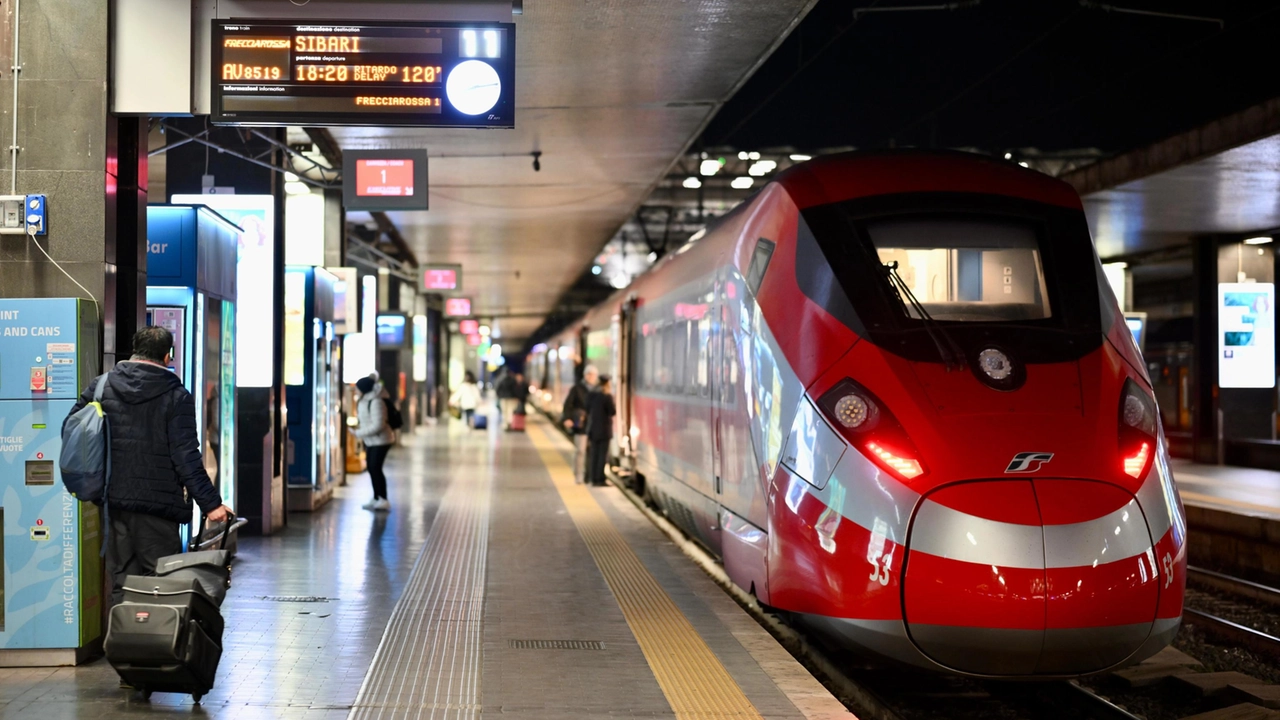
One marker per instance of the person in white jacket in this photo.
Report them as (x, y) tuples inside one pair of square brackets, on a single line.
[(467, 397), (378, 438)]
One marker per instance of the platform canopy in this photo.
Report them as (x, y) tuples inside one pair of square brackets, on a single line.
[(611, 94)]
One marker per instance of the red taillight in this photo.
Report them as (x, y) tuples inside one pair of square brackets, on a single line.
[(1136, 464), (906, 468), (868, 425)]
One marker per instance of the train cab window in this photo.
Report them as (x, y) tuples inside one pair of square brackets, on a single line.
[(965, 269), (759, 263)]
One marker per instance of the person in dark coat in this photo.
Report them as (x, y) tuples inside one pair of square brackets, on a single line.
[(521, 394), (156, 464), (574, 417), (600, 412)]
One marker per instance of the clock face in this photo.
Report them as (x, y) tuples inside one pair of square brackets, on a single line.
[(473, 87)]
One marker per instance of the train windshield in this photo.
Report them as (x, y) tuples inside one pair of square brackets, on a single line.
[(964, 269)]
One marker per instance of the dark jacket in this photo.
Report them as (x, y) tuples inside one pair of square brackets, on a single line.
[(506, 387), (155, 454), (600, 412), (575, 407)]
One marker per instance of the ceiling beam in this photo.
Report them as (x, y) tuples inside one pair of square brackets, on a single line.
[(328, 146)]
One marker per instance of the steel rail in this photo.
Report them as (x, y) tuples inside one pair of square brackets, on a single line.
[(1235, 586), (1246, 637)]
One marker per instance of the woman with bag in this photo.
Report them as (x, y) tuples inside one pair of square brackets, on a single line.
[(467, 397), (378, 437)]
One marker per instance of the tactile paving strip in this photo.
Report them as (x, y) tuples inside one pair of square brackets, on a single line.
[(695, 682), (428, 663)]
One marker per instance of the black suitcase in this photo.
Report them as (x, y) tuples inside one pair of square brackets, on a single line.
[(181, 591), (210, 568), (161, 648)]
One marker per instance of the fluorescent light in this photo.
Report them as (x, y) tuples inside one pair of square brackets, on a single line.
[(297, 188), (1008, 156), (653, 256), (742, 183), (742, 155), (800, 158), (709, 167), (1025, 164), (1257, 240), (290, 177), (753, 156), (483, 331), (620, 280), (1117, 265), (761, 168), (692, 182)]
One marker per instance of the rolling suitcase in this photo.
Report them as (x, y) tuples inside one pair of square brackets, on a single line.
[(479, 422), (166, 636), (517, 422)]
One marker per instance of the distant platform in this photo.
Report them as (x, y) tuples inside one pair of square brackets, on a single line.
[(1245, 491)]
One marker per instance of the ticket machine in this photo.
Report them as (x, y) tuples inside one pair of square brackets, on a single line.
[(191, 291), (51, 584)]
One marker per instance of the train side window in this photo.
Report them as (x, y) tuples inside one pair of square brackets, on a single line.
[(759, 263)]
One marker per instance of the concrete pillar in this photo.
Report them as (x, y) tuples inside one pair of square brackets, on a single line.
[(87, 162)]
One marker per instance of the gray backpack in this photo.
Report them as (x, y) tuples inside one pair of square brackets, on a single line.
[(86, 455)]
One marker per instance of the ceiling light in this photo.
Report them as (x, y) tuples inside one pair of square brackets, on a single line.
[(620, 280), (290, 177), (753, 156), (1117, 265), (742, 183), (761, 168), (742, 155), (1257, 240), (595, 269), (297, 188), (709, 167), (1008, 156), (800, 158), (653, 256), (483, 330), (692, 182), (1025, 164)]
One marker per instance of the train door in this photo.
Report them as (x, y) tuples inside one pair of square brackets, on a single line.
[(715, 362), (624, 337)]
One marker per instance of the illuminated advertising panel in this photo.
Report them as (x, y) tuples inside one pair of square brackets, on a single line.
[(415, 74), (457, 307), (391, 331), (346, 305), (419, 348), (295, 326), (255, 281), (368, 303), (441, 278), (469, 327), (360, 355), (1246, 335)]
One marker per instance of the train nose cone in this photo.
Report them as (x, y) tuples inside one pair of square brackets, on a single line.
[(1020, 577)]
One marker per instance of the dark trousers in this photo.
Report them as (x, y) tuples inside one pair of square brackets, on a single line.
[(597, 454), (137, 541), (374, 457)]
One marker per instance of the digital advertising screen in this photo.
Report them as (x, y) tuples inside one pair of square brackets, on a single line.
[(441, 278), (411, 74), (391, 331), (457, 307), (378, 180), (1246, 335), (1137, 323)]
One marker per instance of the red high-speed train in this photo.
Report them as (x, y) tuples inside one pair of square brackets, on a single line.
[(895, 395)]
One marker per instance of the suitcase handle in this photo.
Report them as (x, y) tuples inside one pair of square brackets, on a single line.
[(204, 523)]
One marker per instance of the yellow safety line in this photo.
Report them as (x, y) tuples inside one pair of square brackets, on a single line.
[(696, 683)]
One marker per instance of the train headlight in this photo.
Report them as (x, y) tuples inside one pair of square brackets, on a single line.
[(995, 364), (852, 411), (1138, 427)]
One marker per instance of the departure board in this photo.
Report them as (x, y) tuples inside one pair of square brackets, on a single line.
[(273, 72)]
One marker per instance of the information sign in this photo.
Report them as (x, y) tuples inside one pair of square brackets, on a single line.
[(1246, 335), (457, 307), (276, 72), (379, 180), (441, 278)]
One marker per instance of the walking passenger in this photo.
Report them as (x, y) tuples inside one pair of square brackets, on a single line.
[(467, 397), (520, 395), (574, 417), (378, 437), (156, 465), (600, 412), (506, 391)]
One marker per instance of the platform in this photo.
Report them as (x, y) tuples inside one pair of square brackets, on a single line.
[(1246, 491), (496, 586)]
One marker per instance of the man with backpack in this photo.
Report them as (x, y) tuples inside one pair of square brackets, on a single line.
[(374, 428), (155, 467)]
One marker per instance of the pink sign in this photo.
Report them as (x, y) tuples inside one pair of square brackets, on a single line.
[(457, 307), (469, 327), (440, 279)]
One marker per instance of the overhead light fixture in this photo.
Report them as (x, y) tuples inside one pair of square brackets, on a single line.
[(760, 168), (1257, 240), (290, 177), (753, 156), (297, 188), (800, 158), (1008, 156), (483, 330), (692, 182), (742, 155), (620, 280), (653, 256), (742, 183), (709, 167), (1121, 265), (1025, 164), (595, 269)]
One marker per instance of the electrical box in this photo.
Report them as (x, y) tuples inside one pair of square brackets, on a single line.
[(23, 214)]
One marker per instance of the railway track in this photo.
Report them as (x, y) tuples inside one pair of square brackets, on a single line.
[(1215, 623)]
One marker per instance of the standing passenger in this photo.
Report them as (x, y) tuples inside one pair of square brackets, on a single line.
[(600, 412), (574, 417), (378, 437), (506, 390), (467, 397)]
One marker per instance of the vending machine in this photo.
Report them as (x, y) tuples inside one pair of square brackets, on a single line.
[(51, 584), (191, 291), (312, 387)]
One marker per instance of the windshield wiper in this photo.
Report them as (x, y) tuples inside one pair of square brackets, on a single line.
[(950, 352)]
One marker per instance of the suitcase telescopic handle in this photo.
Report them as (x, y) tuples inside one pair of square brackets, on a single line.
[(204, 523)]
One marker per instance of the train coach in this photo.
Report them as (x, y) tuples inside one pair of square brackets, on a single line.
[(895, 396)]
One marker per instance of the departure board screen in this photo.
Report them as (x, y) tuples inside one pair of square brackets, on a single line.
[(273, 72)]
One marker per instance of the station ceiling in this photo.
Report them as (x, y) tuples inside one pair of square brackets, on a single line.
[(611, 94)]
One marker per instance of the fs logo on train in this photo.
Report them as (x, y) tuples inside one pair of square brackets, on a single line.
[(1028, 462)]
